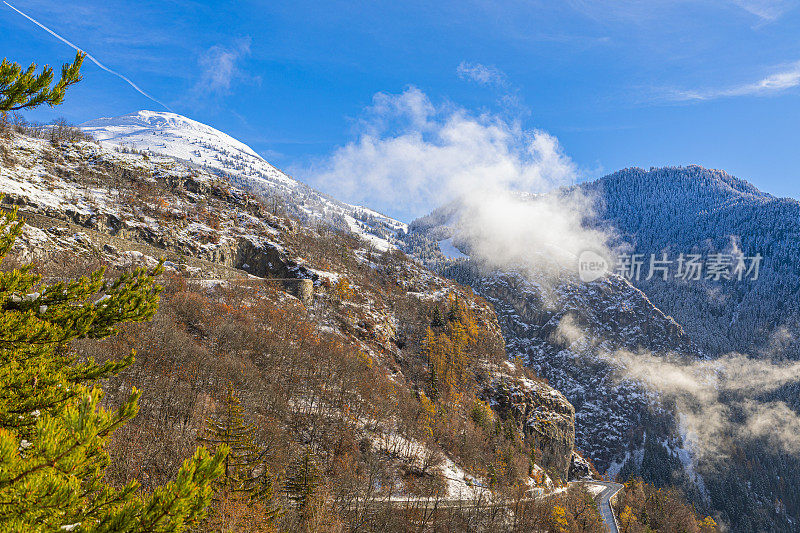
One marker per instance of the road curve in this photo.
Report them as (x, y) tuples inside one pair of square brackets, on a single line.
[(604, 502)]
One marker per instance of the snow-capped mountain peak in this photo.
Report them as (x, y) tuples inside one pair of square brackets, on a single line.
[(136, 127), (177, 136), (180, 137)]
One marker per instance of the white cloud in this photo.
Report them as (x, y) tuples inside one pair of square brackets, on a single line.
[(509, 98), (720, 401), (717, 399), (220, 67), (412, 156), (783, 80), (481, 74)]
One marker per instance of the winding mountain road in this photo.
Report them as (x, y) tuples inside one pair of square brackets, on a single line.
[(604, 502)]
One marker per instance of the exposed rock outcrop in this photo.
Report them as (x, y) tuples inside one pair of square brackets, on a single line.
[(541, 413), (579, 468)]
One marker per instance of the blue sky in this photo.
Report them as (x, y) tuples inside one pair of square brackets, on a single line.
[(618, 82)]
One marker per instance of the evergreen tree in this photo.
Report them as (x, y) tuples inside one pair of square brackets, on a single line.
[(437, 321), (433, 351), (302, 482), (52, 428), (245, 471), (25, 89), (453, 313), (39, 372)]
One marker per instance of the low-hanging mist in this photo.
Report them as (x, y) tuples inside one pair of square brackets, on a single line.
[(720, 401)]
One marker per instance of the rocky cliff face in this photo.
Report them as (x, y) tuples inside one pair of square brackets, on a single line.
[(539, 412), (200, 220), (610, 309)]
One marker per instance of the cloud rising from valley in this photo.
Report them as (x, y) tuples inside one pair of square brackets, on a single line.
[(411, 156), (722, 401)]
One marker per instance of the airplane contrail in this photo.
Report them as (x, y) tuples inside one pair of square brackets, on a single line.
[(90, 56)]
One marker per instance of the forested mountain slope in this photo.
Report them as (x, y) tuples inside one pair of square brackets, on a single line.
[(696, 210)]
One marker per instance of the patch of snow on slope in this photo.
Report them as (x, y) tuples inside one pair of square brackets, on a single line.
[(460, 484), (688, 457), (449, 250), (594, 490)]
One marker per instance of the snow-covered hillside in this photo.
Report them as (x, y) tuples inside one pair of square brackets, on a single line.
[(176, 136)]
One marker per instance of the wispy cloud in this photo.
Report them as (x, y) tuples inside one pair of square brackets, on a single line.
[(508, 98), (639, 11), (221, 67), (767, 10), (482, 74), (720, 402), (783, 80)]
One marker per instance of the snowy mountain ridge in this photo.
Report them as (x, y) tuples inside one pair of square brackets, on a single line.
[(188, 140)]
